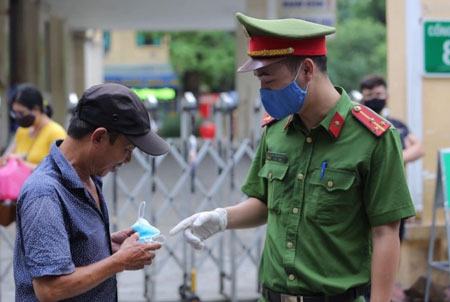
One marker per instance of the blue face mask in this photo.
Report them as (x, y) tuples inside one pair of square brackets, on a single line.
[(280, 103), (147, 232)]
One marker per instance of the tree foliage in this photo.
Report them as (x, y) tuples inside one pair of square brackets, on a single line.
[(358, 49), (362, 9), (359, 46), (210, 54)]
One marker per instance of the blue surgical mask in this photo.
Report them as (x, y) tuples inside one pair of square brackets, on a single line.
[(283, 102), (147, 232)]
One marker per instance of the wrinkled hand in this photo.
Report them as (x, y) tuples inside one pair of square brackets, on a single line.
[(134, 255), (201, 226), (119, 237)]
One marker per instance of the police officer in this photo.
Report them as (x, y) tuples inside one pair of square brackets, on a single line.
[(327, 177)]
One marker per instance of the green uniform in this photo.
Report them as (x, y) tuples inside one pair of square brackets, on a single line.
[(324, 193)]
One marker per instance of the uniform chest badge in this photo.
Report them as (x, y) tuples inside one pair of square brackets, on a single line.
[(336, 124)]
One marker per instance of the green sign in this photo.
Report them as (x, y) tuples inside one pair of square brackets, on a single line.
[(445, 174), (437, 47), (161, 94)]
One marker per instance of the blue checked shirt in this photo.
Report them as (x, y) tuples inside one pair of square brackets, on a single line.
[(60, 228)]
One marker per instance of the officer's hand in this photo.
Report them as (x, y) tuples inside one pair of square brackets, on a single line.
[(201, 226), (134, 255)]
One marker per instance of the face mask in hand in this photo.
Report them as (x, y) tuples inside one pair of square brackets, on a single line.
[(26, 120), (375, 104), (147, 232), (280, 103)]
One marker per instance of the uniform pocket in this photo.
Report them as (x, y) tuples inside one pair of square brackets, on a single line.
[(275, 173), (332, 195)]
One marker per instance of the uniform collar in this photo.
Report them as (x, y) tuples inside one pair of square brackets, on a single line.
[(334, 120)]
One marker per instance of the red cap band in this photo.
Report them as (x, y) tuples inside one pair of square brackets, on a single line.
[(265, 46)]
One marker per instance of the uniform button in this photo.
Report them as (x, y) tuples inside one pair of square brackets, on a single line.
[(357, 108), (291, 277), (337, 123), (290, 245), (295, 210), (330, 183), (300, 176), (309, 140)]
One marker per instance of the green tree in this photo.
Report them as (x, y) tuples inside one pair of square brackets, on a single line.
[(359, 45), (210, 55), (361, 9), (358, 49)]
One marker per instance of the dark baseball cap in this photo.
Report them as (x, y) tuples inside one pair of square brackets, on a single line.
[(118, 108)]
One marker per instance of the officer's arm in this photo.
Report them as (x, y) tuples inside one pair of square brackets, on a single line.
[(385, 260), (249, 213), (413, 149)]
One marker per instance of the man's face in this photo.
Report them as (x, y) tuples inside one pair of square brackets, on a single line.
[(377, 92), (275, 76), (112, 156)]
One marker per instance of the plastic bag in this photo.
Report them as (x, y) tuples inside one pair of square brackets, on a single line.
[(147, 232), (12, 176)]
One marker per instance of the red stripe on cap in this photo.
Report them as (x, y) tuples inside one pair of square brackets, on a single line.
[(309, 47)]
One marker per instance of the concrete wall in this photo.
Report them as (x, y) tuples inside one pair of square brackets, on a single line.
[(93, 58), (433, 99), (124, 50), (40, 52), (436, 105)]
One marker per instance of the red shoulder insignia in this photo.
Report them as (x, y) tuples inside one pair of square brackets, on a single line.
[(375, 123), (336, 124), (267, 120)]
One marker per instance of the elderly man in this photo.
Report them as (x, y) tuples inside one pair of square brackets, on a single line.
[(327, 177), (64, 249)]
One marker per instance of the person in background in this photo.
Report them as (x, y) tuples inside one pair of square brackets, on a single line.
[(64, 248), (327, 177), (375, 96), (36, 132)]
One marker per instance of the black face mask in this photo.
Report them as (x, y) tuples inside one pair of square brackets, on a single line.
[(375, 104), (26, 120)]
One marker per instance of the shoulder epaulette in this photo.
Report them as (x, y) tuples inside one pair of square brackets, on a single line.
[(267, 120), (372, 121)]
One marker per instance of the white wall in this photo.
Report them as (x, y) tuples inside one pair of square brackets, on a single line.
[(93, 58)]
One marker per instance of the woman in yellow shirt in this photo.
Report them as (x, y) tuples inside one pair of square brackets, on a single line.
[(36, 132)]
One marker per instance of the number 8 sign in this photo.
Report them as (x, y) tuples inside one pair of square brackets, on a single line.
[(437, 47)]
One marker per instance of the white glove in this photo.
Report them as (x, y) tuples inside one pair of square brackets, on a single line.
[(201, 226)]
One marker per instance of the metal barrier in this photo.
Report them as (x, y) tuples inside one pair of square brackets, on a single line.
[(194, 176)]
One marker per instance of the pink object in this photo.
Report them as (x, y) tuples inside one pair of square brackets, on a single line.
[(12, 177)]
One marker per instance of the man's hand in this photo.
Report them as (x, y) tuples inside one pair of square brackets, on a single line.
[(119, 237), (133, 255), (201, 226)]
